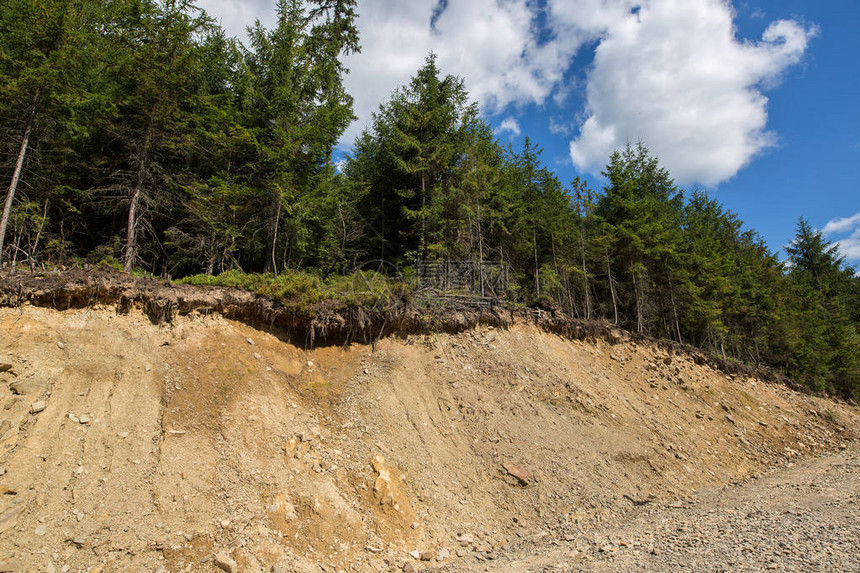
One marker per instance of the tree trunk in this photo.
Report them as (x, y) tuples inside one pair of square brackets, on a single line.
[(131, 233), (423, 247), (137, 193), (637, 296), (38, 236), (675, 311), (19, 167), (480, 249), (537, 270), (585, 275), (612, 288), (271, 261)]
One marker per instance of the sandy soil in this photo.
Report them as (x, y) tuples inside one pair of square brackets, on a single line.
[(208, 445)]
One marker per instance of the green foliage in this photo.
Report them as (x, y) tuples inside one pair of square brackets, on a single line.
[(825, 342), (157, 144), (304, 290)]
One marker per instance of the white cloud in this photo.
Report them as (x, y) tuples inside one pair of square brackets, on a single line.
[(674, 75), (841, 224), (849, 229), (850, 247), (509, 125), (492, 44)]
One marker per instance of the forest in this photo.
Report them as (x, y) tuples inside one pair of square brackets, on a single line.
[(136, 134)]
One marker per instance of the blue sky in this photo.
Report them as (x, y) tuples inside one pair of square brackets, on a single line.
[(753, 100)]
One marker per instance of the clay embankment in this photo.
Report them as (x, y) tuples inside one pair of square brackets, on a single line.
[(127, 445)]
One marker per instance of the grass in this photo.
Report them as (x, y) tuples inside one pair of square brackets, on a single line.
[(365, 289)]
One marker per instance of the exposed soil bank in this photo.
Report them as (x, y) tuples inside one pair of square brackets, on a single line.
[(128, 444), (330, 323)]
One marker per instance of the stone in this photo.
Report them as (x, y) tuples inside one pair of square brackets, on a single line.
[(524, 476), (37, 407), (409, 567), (84, 419), (224, 562), (9, 518), (27, 386), (5, 367), (427, 556), (415, 554), (61, 345), (443, 554)]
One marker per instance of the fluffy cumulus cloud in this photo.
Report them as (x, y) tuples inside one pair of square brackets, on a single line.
[(671, 73), (845, 231)]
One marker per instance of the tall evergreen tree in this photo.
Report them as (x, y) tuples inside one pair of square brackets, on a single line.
[(641, 209), (417, 141), (297, 108), (827, 350)]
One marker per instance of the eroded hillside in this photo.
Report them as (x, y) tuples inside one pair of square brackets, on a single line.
[(205, 443)]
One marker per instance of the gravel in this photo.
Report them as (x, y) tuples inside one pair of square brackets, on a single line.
[(805, 517)]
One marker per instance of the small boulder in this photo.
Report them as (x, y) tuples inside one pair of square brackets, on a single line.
[(28, 386), (524, 476), (37, 407), (224, 562)]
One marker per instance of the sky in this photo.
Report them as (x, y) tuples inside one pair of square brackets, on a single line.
[(753, 101)]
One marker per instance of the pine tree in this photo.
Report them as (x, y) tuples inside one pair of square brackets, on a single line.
[(297, 109), (640, 210), (827, 352), (416, 143)]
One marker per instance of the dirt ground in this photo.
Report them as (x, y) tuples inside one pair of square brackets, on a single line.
[(801, 518), (208, 445)]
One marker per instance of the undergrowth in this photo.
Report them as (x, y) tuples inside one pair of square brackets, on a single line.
[(364, 289)]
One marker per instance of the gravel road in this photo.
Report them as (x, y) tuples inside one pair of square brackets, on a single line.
[(802, 518)]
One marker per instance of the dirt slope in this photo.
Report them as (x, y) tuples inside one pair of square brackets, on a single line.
[(162, 447)]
